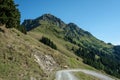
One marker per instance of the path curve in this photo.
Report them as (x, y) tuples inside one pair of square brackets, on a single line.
[(67, 74)]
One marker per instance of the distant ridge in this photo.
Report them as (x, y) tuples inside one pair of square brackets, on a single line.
[(93, 51), (32, 23)]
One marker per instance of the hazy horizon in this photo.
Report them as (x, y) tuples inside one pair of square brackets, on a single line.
[(100, 18)]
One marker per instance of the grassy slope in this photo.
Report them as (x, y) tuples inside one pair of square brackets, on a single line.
[(16, 60), (16, 56), (63, 46), (81, 75)]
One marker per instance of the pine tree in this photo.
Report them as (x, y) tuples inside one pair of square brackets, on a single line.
[(10, 15)]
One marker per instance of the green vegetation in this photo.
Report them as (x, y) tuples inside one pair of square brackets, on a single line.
[(70, 40), (16, 60), (22, 29), (89, 58), (48, 42), (18, 51), (81, 75), (105, 62), (10, 15)]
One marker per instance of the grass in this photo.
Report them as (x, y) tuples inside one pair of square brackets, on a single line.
[(83, 76), (16, 62), (61, 44), (67, 56), (16, 54)]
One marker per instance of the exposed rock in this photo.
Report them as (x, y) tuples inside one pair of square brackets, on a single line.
[(46, 62)]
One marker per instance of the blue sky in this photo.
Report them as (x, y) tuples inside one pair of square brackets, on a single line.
[(99, 17)]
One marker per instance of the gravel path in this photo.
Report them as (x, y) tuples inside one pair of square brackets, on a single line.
[(67, 74)]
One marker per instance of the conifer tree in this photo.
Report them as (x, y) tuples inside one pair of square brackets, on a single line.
[(10, 15)]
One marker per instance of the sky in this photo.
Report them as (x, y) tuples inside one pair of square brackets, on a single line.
[(100, 17)]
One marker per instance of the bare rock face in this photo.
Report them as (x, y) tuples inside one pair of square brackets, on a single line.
[(52, 19), (45, 61), (30, 24)]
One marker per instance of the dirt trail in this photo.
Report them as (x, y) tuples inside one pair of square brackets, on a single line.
[(67, 74)]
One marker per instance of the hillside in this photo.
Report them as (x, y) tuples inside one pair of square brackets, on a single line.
[(73, 41), (52, 49), (25, 58)]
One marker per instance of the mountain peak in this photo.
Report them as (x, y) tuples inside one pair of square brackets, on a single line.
[(52, 19), (49, 18), (46, 17), (72, 24)]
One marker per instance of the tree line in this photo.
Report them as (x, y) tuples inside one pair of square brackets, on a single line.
[(107, 62)]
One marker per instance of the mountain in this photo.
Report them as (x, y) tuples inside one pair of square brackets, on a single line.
[(23, 57), (52, 45), (73, 41), (46, 17), (19, 56)]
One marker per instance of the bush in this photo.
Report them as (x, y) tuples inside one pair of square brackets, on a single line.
[(48, 42)]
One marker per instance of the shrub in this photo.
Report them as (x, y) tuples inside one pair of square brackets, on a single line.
[(48, 42)]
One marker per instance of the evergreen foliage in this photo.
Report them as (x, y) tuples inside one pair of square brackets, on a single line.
[(106, 62), (48, 42), (22, 29), (10, 15)]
